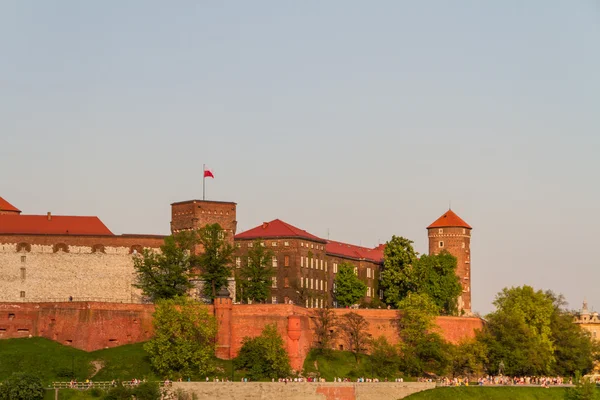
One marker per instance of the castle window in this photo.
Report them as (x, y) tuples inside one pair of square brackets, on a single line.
[(463, 245), (301, 244), (302, 261), (250, 244), (321, 284), (325, 285), (306, 303), (238, 245), (23, 258), (321, 264), (23, 271), (355, 271), (464, 231), (274, 261), (312, 246), (274, 282), (441, 244), (274, 244), (238, 262), (286, 282), (286, 244), (301, 282), (381, 294), (22, 294), (262, 244), (286, 261), (440, 230), (274, 300), (369, 274), (368, 292), (335, 268), (325, 266), (311, 283), (312, 262)]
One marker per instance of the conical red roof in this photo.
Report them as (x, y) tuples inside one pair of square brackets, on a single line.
[(449, 219)]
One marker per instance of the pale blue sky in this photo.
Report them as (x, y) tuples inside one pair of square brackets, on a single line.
[(361, 117)]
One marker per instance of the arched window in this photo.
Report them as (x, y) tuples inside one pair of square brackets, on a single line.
[(24, 247), (98, 248), (60, 247)]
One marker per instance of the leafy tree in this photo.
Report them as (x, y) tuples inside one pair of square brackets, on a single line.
[(215, 259), (165, 275), (397, 277), (22, 386), (144, 391), (519, 332), (468, 358), (354, 330), (325, 322), (574, 349), (422, 349), (435, 275), (255, 276), (184, 338), (385, 357), (584, 389), (349, 289), (264, 356)]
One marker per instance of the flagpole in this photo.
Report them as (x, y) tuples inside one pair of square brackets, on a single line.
[(203, 181)]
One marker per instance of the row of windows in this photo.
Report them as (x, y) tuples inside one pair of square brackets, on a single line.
[(441, 244), (313, 263), (313, 283), (442, 230), (312, 246)]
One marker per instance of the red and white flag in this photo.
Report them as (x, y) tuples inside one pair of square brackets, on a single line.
[(208, 173)]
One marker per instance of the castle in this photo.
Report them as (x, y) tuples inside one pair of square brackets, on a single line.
[(53, 258), (69, 279)]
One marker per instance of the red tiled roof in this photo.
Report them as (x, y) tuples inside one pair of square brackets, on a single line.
[(449, 219), (277, 228), (53, 225), (355, 252), (6, 206)]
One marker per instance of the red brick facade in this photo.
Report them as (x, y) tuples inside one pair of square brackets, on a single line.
[(91, 326)]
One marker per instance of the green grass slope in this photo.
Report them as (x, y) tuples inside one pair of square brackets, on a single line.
[(490, 393), (341, 364)]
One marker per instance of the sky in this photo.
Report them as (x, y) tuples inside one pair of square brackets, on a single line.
[(354, 119)]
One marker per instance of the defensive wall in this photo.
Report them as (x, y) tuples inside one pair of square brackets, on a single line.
[(57, 267), (94, 325), (303, 391)]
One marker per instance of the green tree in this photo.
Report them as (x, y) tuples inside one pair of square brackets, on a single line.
[(255, 275), (574, 349), (325, 332), (184, 338), (468, 358), (435, 276), (354, 330), (264, 356), (22, 386), (216, 258), (349, 289), (385, 357), (422, 348), (397, 276), (519, 332), (165, 275), (584, 389)]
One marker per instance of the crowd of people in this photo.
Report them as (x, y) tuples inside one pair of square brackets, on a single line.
[(544, 381)]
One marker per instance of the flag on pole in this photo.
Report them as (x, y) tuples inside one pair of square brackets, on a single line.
[(208, 173)]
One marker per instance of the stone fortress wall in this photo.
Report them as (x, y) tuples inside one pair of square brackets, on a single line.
[(56, 267)]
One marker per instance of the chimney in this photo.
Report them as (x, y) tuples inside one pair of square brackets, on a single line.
[(49, 216), (265, 224)]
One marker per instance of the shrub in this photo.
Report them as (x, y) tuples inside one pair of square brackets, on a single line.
[(21, 386)]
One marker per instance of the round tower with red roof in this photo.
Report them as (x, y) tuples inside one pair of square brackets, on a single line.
[(451, 233)]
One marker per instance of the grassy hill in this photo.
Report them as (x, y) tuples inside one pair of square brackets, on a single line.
[(490, 393), (53, 362)]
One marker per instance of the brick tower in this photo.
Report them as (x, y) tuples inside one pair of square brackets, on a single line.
[(451, 233), (194, 214)]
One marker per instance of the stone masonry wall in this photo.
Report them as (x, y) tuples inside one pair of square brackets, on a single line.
[(53, 268)]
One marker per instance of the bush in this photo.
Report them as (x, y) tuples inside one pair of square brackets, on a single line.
[(147, 391), (95, 392), (22, 386), (264, 356)]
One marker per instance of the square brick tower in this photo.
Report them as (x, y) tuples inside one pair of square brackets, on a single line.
[(451, 233), (195, 214)]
